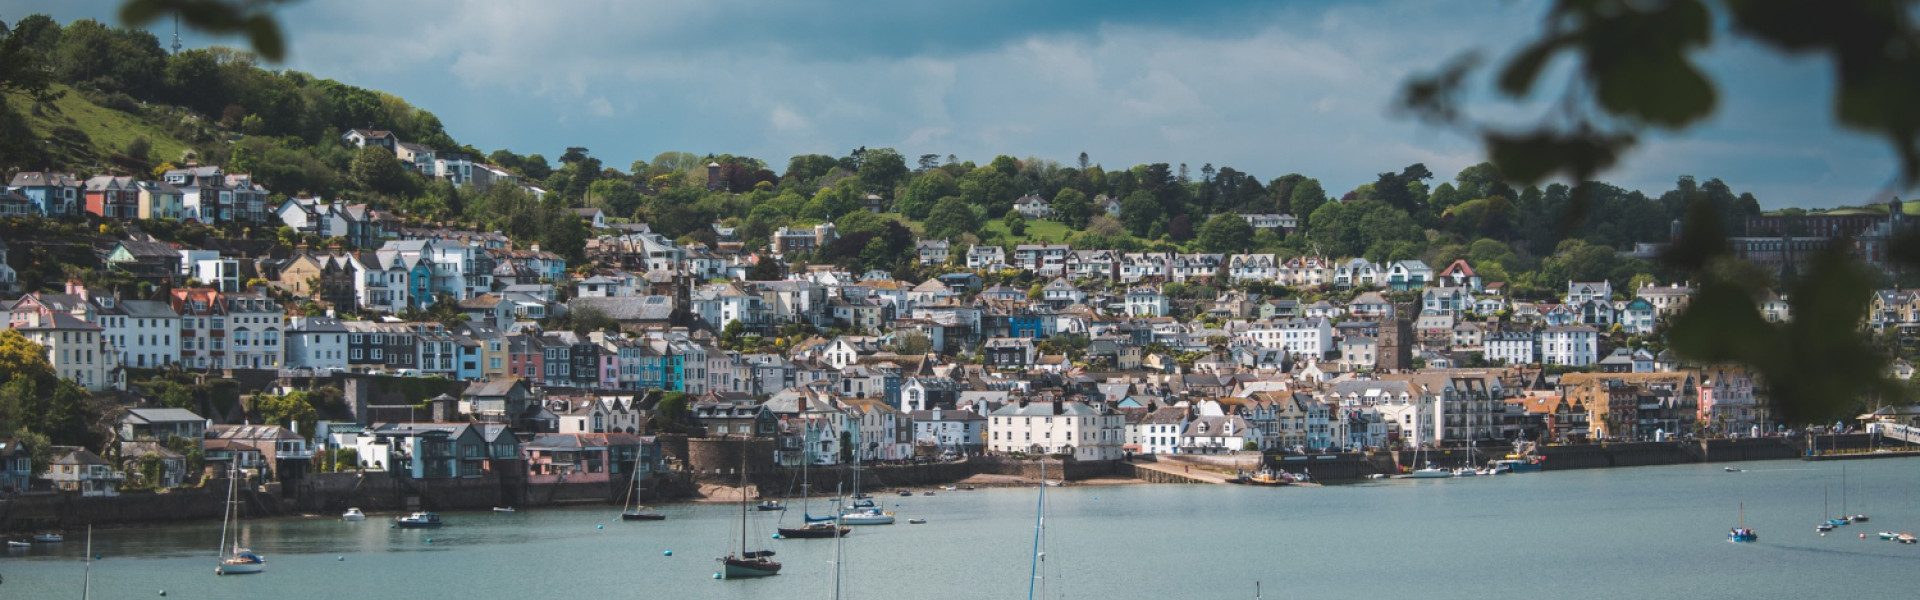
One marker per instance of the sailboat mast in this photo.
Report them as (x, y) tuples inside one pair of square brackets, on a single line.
[(806, 485), (86, 581), (1039, 523), (743, 497), (1843, 491), (837, 541), (227, 517)]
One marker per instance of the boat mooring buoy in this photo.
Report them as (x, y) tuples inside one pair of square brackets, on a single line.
[(716, 575), (667, 553), (600, 526)]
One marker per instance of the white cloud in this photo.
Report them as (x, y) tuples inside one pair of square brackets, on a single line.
[(1301, 87)]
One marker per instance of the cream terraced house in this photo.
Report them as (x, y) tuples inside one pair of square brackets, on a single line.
[(1085, 431)]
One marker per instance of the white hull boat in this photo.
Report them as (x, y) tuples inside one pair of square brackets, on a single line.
[(867, 517)]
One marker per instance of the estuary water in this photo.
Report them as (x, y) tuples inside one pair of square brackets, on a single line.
[(1652, 532)]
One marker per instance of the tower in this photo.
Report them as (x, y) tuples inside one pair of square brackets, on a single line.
[(176, 34)]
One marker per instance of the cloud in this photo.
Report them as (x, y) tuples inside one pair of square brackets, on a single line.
[(1267, 88)]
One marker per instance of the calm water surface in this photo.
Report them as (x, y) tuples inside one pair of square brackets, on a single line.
[(1621, 533)]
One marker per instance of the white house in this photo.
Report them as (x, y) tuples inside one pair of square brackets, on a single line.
[(1061, 292), (1033, 207), (1570, 345), (1356, 272), (1158, 432), (318, 343), (1084, 431), (1582, 291), (1147, 302), (75, 348), (86, 473), (1302, 337), (980, 256), (933, 252), (1225, 433), (1511, 347), (1243, 268), (958, 431)]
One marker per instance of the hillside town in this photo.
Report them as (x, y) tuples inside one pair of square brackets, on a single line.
[(563, 368)]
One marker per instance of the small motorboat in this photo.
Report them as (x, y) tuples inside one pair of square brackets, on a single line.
[(1377, 476), (949, 487), (1734, 470), (503, 509), (1823, 527), (916, 521), (1886, 535), (906, 493), (1839, 521), (18, 544), (967, 488), (771, 505), (49, 538), (1906, 537), (871, 516), (927, 493), (419, 520), (1857, 518), (1465, 472), (353, 514)]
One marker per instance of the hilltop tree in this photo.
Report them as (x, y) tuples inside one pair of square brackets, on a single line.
[(881, 169), (1305, 199), (1072, 207), (949, 218), (917, 199), (1225, 233), (376, 170)]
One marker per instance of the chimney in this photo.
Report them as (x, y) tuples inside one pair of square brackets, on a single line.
[(1058, 405), (75, 287)]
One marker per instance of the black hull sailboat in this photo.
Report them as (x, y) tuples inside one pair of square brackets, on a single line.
[(747, 563), (633, 510), (813, 531)]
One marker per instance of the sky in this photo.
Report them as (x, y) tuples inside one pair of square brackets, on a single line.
[(1267, 88)]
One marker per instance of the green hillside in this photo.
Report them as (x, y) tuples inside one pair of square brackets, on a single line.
[(80, 132)]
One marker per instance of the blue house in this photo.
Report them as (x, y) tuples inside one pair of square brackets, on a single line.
[(16, 466), (1029, 325), (51, 194)]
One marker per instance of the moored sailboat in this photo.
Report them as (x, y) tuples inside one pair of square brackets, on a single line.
[(863, 511), (632, 510), (747, 563), (1741, 534), (235, 560), (812, 527)]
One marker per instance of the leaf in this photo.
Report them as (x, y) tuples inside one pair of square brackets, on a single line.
[(1531, 157), (1524, 68)]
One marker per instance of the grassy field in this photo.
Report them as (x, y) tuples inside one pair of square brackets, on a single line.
[(1038, 231), (110, 130)]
